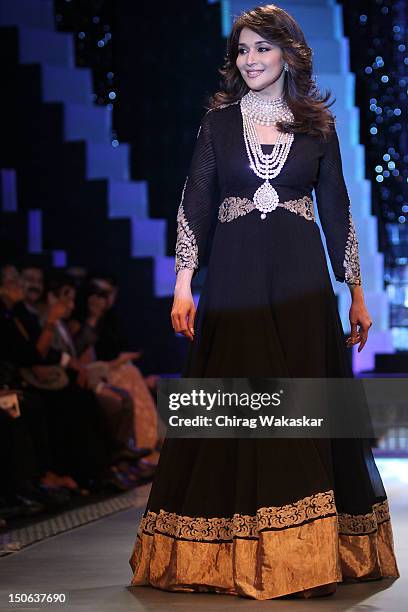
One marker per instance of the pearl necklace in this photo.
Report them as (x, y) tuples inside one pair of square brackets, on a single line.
[(265, 111), (266, 166)]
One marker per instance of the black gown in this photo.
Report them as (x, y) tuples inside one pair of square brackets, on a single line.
[(264, 518)]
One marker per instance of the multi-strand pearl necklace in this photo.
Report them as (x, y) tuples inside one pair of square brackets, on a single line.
[(255, 109)]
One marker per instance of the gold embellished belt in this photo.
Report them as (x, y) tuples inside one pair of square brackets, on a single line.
[(233, 207)]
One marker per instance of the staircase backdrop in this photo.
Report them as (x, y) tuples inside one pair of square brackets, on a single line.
[(67, 194)]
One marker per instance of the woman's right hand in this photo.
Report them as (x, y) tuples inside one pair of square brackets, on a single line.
[(183, 311)]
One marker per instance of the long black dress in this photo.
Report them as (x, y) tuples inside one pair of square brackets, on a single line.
[(264, 518)]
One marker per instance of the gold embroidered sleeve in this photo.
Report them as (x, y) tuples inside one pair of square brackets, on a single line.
[(352, 259), (186, 245), (333, 204), (198, 202)]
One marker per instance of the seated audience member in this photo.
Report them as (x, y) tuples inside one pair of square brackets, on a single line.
[(116, 404), (80, 442), (26, 466), (100, 342)]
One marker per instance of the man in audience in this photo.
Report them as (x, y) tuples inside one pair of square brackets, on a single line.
[(26, 454)]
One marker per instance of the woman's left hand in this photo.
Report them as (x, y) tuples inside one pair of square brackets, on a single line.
[(359, 316)]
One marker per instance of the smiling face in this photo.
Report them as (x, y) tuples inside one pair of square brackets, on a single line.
[(260, 63)]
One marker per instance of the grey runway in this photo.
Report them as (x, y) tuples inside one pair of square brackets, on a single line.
[(90, 565)]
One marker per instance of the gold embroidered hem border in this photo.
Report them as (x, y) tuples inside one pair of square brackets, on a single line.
[(240, 525), (355, 524), (233, 207), (278, 551), (273, 517)]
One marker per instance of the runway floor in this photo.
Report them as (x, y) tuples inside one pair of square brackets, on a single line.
[(90, 565)]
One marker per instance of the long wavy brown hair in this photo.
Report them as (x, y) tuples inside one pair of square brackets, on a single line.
[(308, 105)]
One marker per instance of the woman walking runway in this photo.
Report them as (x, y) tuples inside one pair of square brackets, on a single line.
[(266, 518)]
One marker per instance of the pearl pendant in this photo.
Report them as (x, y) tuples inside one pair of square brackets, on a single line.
[(266, 198), (263, 216)]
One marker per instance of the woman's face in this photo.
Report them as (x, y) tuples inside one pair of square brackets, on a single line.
[(67, 296), (260, 62), (111, 291)]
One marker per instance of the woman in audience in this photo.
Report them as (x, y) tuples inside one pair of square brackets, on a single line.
[(99, 339)]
